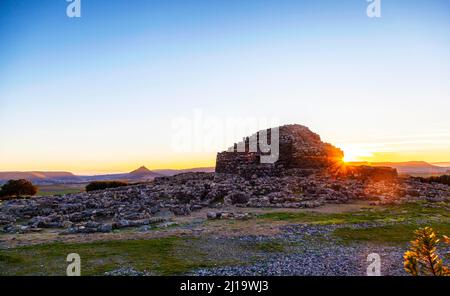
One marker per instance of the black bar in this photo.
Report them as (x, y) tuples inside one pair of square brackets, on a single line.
[(275, 285)]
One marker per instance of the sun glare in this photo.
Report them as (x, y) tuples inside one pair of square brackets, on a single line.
[(350, 158), (354, 153)]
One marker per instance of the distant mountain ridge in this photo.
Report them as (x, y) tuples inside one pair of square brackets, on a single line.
[(442, 164), (38, 176), (411, 167), (141, 174)]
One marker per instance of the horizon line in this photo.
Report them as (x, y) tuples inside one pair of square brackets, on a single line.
[(94, 173)]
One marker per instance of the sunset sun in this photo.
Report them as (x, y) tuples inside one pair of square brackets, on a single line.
[(354, 153)]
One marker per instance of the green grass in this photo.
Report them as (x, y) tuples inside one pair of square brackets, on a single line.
[(394, 213), (398, 222), (10, 259), (391, 234), (49, 190), (162, 256)]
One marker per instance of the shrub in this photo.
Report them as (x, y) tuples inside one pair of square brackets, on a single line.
[(17, 188), (444, 179), (422, 258), (101, 185)]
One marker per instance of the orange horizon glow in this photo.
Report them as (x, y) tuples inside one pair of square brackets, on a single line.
[(189, 161), (176, 162), (88, 163), (381, 152), (396, 157)]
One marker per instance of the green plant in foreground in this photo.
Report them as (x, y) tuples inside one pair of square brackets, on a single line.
[(422, 258)]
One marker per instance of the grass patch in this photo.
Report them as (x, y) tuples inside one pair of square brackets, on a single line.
[(162, 256), (60, 189), (395, 233), (394, 213), (5, 259), (400, 220), (305, 217)]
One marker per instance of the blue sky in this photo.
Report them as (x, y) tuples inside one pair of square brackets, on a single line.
[(99, 93)]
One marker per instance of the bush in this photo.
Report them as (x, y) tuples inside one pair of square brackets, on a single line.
[(101, 185), (444, 179), (422, 258), (17, 188)]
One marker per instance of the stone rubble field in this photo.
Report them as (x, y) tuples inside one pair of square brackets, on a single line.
[(247, 218), (134, 206)]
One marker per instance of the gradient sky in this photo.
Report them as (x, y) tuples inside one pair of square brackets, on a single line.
[(101, 93)]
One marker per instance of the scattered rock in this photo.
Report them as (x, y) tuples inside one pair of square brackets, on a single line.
[(105, 228), (127, 271), (308, 174), (211, 215)]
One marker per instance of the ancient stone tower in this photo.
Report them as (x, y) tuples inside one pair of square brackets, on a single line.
[(299, 148)]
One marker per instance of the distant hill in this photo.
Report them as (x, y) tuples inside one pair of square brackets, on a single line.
[(142, 171), (141, 174), (442, 164), (415, 168), (40, 177)]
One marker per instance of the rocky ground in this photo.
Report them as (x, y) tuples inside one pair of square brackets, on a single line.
[(148, 204), (247, 218), (327, 240), (312, 251), (212, 224)]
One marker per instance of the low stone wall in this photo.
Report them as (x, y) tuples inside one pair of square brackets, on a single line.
[(372, 173)]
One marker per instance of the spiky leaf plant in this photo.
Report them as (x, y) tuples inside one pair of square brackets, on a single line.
[(422, 257)]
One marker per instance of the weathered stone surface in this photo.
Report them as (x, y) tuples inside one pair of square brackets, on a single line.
[(298, 148), (228, 215), (211, 215)]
